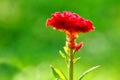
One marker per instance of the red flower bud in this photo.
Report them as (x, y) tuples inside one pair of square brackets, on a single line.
[(79, 46)]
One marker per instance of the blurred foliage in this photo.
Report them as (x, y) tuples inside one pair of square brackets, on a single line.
[(27, 47)]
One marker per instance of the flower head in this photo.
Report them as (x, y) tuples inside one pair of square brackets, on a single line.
[(69, 23), (72, 24)]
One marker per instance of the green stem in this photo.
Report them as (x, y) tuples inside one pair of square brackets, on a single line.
[(70, 67)]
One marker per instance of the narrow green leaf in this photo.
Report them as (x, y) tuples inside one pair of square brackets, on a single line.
[(76, 59), (66, 49), (58, 74), (62, 54), (86, 72)]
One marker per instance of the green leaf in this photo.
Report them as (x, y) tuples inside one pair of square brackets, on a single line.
[(57, 79), (86, 72), (58, 74), (62, 54), (76, 59), (66, 49)]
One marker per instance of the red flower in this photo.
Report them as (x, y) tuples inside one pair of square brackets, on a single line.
[(72, 24), (69, 23)]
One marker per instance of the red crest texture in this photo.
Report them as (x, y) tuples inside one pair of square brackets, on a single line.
[(69, 22)]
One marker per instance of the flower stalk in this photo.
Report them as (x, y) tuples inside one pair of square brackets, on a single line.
[(70, 66), (71, 45)]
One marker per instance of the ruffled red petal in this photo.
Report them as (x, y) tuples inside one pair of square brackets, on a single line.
[(69, 22)]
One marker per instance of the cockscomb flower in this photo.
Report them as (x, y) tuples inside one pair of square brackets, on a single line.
[(70, 23)]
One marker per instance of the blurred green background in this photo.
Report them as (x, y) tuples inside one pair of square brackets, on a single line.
[(27, 47)]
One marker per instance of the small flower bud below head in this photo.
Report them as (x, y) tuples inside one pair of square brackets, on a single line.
[(71, 40), (79, 46)]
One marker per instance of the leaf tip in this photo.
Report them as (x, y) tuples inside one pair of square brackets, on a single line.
[(51, 66)]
